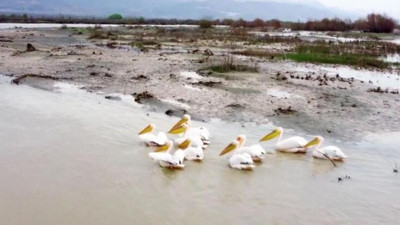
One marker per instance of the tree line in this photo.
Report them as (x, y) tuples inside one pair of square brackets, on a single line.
[(373, 22)]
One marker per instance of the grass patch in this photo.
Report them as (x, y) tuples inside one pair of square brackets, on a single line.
[(99, 33), (333, 54), (352, 60), (228, 65)]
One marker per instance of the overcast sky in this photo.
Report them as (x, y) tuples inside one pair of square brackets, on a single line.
[(391, 7)]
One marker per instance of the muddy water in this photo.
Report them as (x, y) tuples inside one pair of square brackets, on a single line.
[(70, 157)]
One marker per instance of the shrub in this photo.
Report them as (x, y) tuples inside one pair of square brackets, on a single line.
[(115, 16), (204, 24)]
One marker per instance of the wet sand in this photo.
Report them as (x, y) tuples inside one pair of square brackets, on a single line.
[(316, 104)]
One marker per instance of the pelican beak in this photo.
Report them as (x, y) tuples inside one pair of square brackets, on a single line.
[(148, 129), (271, 135), (311, 143), (178, 130), (162, 148), (184, 145), (179, 123), (229, 148)]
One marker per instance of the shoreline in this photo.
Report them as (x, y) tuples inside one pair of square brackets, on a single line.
[(281, 92)]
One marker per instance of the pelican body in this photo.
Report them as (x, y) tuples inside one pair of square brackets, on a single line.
[(150, 139), (328, 152), (256, 151), (294, 144), (164, 158), (241, 161)]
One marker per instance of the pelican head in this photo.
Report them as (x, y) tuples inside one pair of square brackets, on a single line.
[(179, 129), (232, 146), (275, 133), (316, 141), (241, 139), (148, 129), (164, 148), (185, 145), (185, 119)]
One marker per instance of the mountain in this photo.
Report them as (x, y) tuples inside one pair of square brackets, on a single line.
[(180, 9)]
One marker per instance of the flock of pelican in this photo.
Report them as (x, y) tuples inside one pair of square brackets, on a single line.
[(190, 142)]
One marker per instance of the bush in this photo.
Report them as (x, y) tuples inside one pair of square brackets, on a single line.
[(115, 16), (204, 24)]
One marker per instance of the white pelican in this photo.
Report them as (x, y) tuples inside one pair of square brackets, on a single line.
[(163, 156), (183, 129), (192, 153), (294, 144), (201, 131), (328, 152), (242, 161), (151, 139), (256, 151)]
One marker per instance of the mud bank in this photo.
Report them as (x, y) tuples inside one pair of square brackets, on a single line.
[(315, 99)]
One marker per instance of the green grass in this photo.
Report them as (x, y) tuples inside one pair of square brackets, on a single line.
[(348, 59), (228, 65), (334, 54)]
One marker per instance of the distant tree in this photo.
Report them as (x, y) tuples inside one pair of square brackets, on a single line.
[(204, 24), (115, 16), (140, 20), (276, 24), (228, 22), (258, 23), (380, 23), (25, 17)]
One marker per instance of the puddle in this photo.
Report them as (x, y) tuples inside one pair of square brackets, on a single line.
[(392, 58), (379, 79), (376, 78), (75, 158)]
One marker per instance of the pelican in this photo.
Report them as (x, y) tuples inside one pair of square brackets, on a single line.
[(294, 144), (256, 151), (201, 131), (151, 139), (328, 152), (241, 161), (163, 156), (192, 153), (196, 140)]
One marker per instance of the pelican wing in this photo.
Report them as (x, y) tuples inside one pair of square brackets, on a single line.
[(255, 151), (332, 152), (193, 153), (151, 139), (291, 143), (241, 161), (162, 156)]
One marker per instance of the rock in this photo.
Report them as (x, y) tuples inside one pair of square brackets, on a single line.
[(176, 112), (30, 48), (235, 106), (140, 77), (207, 83), (20, 78), (208, 52), (115, 98), (286, 111), (139, 98)]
